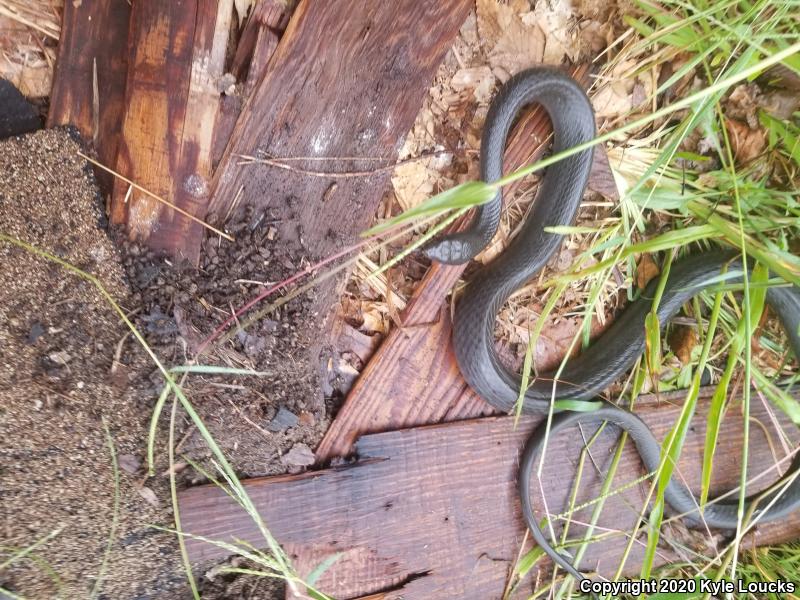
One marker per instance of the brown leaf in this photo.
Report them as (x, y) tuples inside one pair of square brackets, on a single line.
[(513, 44), (556, 21), (682, 340), (781, 104), (646, 269), (478, 80), (747, 143), (601, 178)]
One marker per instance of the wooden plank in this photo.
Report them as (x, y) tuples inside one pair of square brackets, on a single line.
[(432, 512), (412, 380), (94, 39), (172, 102), (347, 79)]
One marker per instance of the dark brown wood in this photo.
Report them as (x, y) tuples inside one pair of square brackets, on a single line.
[(94, 39), (347, 79), (432, 512), (172, 102)]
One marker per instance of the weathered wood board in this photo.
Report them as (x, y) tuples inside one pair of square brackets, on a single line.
[(346, 80), (172, 99), (92, 49), (258, 42), (432, 512)]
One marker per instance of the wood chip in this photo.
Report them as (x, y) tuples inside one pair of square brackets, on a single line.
[(129, 463), (149, 495), (646, 269), (299, 456)]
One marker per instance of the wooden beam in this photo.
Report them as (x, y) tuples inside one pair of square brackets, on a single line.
[(432, 512), (92, 49), (347, 79), (172, 98)]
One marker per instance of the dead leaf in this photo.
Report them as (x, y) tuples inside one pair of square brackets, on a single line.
[(596, 36), (747, 143), (743, 103), (682, 340), (512, 44), (374, 320), (478, 80), (613, 99), (412, 184), (556, 21), (623, 90), (781, 104), (601, 177), (646, 270), (416, 181)]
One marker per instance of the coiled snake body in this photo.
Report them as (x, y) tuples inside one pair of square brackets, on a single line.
[(584, 377)]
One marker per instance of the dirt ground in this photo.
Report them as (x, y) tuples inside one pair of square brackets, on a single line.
[(67, 364)]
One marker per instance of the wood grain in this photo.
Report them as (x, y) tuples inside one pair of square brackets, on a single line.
[(172, 102), (257, 44), (432, 512), (347, 79), (94, 38)]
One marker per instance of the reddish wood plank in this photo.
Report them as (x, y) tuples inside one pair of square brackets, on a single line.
[(432, 512), (94, 38), (172, 102)]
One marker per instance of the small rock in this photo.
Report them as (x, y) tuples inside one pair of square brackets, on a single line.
[(129, 463), (149, 495), (299, 456), (284, 420), (37, 331), (61, 357)]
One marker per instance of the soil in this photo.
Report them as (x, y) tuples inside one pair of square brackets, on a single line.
[(58, 339), (68, 365), (256, 420)]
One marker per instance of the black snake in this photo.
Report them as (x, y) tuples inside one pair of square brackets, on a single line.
[(557, 201)]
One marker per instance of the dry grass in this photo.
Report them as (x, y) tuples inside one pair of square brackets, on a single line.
[(29, 33)]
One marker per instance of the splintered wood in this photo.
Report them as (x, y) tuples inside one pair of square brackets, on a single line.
[(316, 80), (171, 106), (346, 80), (89, 83)]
